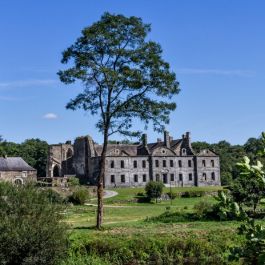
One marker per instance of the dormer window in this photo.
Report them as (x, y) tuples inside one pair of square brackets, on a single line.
[(183, 151)]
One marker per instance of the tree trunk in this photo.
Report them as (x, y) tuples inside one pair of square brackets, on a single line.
[(101, 181)]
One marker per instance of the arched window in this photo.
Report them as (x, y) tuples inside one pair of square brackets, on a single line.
[(69, 153), (18, 181), (213, 176), (56, 171)]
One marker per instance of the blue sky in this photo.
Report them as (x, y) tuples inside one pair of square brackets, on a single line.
[(216, 49)]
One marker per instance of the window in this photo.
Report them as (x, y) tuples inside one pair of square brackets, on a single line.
[(189, 163), (180, 177), (204, 176), (171, 177), (157, 177), (157, 163), (164, 163), (203, 163), (144, 164), (112, 178), (135, 164), (212, 163), (151, 177), (183, 151), (180, 163), (190, 176), (213, 176), (165, 178), (171, 163), (122, 164), (144, 177), (112, 164), (122, 178), (135, 178)]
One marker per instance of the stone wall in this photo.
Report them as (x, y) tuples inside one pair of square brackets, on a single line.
[(19, 177)]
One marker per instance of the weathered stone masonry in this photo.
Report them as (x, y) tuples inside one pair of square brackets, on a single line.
[(171, 161)]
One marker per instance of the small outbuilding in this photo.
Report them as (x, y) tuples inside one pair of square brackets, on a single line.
[(16, 170)]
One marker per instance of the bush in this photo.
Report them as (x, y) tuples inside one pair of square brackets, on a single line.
[(118, 250), (203, 209), (154, 189), (73, 181), (172, 195), (191, 194), (53, 196), (31, 227), (79, 196)]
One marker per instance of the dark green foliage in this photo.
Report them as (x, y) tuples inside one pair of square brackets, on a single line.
[(120, 70), (252, 251), (249, 188), (119, 250), (73, 181), (33, 151), (203, 209), (79, 196), (31, 231), (53, 196), (154, 189), (190, 194)]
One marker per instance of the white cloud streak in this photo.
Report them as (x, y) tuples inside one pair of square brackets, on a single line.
[(27, 83), (50, 116), (200, 71)]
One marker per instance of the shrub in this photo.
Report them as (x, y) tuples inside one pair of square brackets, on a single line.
[(118, 250), (172, 195), (31, 227), (202, 209), (79, 196), (53, 196), (191, 194), (154, 189), (73, 181)]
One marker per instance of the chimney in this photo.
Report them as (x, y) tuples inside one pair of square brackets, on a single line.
[(144, 139), (166, 139), (170, 139), (183, 136), (188, 135), (159, 140)]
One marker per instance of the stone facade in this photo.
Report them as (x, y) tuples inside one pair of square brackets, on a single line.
[(16, 170), (171, 161)]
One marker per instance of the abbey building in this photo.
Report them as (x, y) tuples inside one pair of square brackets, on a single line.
[(172, 161)]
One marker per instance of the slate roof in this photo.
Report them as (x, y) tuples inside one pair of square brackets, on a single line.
[(135, 149), (173, 143), (14, 164), (130, 149), (206, 152)]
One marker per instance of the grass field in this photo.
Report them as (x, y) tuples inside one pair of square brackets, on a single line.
[(124, 209)]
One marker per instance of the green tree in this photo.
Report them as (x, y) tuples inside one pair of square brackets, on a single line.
[(249, 187), (31, 227), (35, 152), (124, 79), (154, 189)]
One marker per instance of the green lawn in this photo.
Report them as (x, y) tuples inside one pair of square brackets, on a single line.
[(122, 209)]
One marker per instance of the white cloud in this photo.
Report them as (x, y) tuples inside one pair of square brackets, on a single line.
[(30, 82), (50, 116), (236, 72)]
